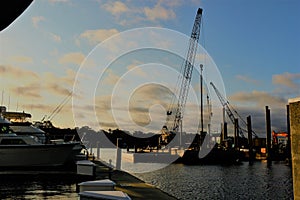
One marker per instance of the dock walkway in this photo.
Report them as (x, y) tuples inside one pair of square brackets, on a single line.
[(134, 187)]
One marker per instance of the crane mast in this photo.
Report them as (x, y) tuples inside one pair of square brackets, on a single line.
[(187, 74)]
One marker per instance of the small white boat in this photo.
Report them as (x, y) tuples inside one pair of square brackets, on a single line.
[(27, 150)]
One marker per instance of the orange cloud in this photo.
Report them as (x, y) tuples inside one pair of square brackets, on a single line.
[(72, 58), (247, 79), (36, 20), (28, 91), (287, 79), (116, 8), (22, 59), (96, 36), (12, 71), (258, 98), (159, 12)]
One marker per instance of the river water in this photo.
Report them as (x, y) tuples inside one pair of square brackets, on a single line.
[(182, 181), (224, 182)]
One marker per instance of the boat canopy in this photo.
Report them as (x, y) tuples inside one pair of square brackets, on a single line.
[(4, 121), (16, 115)]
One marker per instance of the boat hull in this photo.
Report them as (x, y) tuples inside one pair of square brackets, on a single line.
[(45, 155), (215, 156)]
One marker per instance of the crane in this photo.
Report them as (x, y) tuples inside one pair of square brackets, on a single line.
[(229, 110), (187, 68)]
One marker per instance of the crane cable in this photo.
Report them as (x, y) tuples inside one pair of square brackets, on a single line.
[(59, 107)]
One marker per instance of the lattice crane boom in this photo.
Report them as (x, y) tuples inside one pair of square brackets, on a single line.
[(187, 73), (224, 103), (229, 109)]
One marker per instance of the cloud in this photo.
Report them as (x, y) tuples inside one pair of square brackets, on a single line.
[(22, 59), (111, 78), (158, 12), (29, 91), (287, 79), (56, 88), (36, 20), (16, 72), (97, 36), (258, 98), (72, 58), (136, 69), (58, 1), (254, 103), (55, 37), (59, 85), (116, 8), (258, 119), (247, 79), (171, 3)]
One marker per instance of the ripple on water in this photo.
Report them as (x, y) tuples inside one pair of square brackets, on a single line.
[(224, 182)]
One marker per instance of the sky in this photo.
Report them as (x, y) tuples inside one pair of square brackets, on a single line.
[(98, 51)]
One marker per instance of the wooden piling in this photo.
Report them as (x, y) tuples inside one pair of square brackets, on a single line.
[(225, 131), (289, 152), (236, 133), (250, 143), (268, 132), (98, 150), (119, 154)]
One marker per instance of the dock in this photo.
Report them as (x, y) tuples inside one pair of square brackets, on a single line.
[(129, 184)]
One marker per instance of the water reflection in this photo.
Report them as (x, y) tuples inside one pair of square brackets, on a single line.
[(37, 187)]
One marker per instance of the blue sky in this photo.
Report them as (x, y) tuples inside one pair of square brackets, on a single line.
[(255, 45)]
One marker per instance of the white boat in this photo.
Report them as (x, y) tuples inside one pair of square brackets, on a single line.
[(28, 151)]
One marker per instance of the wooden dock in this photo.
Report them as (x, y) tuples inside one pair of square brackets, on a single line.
[(129, 184)]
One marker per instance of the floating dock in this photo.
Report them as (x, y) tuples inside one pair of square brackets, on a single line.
[(153, 157)]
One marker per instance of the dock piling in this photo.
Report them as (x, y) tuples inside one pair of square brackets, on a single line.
[(250, 143), (236, 133), (289, 151), (98, 150), (268, 132), (119, 152)]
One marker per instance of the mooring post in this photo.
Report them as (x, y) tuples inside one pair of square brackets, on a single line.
[(288, 148), (91, 150), (236, 133), (118, 161), (225, 131), (250, 143), (268, 129), (98, 150)]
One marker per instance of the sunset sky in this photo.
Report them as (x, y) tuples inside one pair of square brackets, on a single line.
[(254, 44)]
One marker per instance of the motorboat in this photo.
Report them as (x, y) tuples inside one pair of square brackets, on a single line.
[(27, 150)]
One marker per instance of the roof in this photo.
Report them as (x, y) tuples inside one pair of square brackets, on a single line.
[(16, 115), (26, 129)]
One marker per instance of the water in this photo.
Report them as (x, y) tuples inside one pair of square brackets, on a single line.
[(37, 187), (182, 181), (224, 182)]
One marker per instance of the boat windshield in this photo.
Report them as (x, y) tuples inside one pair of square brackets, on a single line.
[(4, 129)]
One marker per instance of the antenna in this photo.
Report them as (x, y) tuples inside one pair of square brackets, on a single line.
[(8, 102), (2, 97)]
